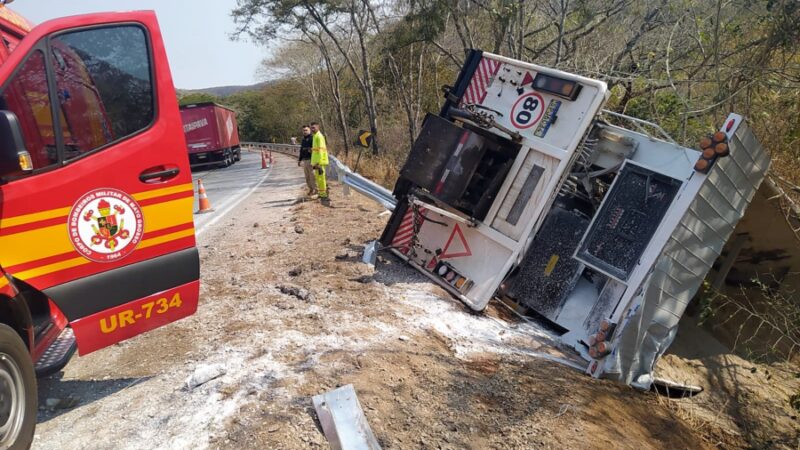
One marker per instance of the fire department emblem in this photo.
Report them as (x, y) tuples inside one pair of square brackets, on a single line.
[(105, 225)]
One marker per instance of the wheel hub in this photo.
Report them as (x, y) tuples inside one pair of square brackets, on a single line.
[(12, 401)]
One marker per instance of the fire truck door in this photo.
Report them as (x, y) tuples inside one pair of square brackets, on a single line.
[(101, 219)]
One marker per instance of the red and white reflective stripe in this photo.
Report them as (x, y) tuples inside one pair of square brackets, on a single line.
[(404, 233), (476, 91)]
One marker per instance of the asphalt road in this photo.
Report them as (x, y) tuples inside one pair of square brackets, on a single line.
[(227, 187)]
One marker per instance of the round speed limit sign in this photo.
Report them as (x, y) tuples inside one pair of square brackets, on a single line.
[(527, 110)]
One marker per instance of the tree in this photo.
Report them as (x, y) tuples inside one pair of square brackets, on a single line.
[(196, 97)]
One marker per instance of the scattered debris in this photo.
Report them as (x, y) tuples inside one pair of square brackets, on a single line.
[(204, 374), (298, 229), (672, 389), (343, 420), (403, 338), (370, 253), (70, 401), (363, 279), (297, 271), (295, 291)]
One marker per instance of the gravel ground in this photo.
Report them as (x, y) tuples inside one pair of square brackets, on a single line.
[(288, 311)]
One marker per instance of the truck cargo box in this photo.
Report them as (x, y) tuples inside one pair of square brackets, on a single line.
[(212, 134)]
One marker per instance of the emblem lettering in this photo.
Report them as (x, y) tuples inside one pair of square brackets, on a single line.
[(105, 225)]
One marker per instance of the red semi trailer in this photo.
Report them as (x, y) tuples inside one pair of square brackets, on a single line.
[(212, 134)]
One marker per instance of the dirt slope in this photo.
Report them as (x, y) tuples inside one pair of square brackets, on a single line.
[(744, 404), (287, 311)]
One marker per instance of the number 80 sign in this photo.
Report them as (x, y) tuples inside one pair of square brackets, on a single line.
[(527, 110)]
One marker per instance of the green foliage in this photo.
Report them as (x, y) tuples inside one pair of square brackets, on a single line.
[(197, 97), (272, 114), (424, 22)]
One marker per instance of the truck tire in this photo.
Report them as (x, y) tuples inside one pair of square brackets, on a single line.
[(225, 163), (17, 392)]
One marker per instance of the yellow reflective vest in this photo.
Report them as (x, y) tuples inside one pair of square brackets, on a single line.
[(319, 151)]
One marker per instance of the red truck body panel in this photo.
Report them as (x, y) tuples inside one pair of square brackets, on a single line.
[(209, 128), (37, 245)]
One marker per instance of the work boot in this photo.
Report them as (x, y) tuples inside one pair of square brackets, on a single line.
[(325, 201)]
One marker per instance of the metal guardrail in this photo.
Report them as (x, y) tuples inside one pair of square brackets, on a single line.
[(286, 149), (337, 170)]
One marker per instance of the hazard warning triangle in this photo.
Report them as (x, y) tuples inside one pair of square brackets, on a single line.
[(457, 245)]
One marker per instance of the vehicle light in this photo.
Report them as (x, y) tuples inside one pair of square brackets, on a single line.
[(442, 270), (730, 125), (25, 161), (713, 147), (450, 275), (603, 348), (556, 86), (460, 282)]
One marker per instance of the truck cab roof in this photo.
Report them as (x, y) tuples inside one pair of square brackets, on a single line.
[(13, 27), (202, 104)]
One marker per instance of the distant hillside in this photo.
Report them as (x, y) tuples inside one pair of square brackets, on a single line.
[(223, 91)]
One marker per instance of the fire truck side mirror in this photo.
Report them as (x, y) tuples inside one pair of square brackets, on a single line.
[(14, 158)]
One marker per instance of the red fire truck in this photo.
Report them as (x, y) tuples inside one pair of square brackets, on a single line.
[(212, 134), (97, 240)]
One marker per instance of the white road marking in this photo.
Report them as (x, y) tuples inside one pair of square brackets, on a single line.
[(229, 204)]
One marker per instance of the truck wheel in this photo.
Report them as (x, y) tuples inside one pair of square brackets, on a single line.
[(17, 392)]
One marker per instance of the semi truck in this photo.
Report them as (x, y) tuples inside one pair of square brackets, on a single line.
[(598, 225), (97, 240), (212, 134)]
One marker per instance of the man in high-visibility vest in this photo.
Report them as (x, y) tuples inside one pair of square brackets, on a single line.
[(319, 162)]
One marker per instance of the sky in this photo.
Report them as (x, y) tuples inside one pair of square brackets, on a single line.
[(195, 33)]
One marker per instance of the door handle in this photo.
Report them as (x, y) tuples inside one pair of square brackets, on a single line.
[(158, 176)]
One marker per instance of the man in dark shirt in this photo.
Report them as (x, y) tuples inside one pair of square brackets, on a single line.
[(305, 160)]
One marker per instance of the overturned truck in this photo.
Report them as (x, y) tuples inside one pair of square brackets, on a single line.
[(524, 189)]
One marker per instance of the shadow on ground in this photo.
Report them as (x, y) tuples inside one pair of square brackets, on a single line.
[(73, 393)]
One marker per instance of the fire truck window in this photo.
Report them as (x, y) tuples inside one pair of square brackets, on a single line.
[(104, 86), (27, 97)]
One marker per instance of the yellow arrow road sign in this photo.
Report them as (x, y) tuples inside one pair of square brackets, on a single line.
[(364, 138)]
